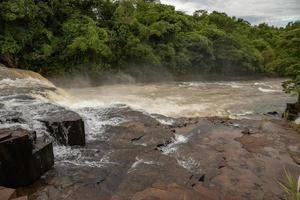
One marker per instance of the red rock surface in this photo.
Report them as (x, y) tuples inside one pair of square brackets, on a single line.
[(7, 193), (216, 159)]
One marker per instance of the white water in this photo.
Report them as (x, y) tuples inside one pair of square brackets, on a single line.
[(242, 99), (98, 107)]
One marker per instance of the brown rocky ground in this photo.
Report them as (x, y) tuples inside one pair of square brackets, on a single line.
[(205, 159)]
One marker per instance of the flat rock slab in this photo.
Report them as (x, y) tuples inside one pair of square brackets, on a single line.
[(205, 159)]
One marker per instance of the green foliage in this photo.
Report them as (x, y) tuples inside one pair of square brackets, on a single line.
[(291, 188), (63, 36)]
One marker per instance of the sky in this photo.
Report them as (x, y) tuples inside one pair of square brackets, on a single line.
[(273, 12)]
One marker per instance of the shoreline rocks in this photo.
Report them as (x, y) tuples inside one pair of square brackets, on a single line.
[(199, 158), (292, 111), (23, 160)]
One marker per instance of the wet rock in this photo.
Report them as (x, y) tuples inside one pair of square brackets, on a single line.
[(247, 131), (292, 111), (42, 158), (254, 144), (171, 192), (137, 139), (214, 161), (273, 113), (208, 193), (22, 160), (295, 156), (7, 193), (67, 127)]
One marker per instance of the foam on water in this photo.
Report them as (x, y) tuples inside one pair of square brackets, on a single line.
[(31, 111), (96, 119), (81, 157), (189, 163), (268, 90), (25, 83), (174, 145), (166, 121), (187, 99), (204, 84), (139, 162), (99, 108)]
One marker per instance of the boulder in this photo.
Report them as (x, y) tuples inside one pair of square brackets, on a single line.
[(292, 111), (22, 160), (66, 126)]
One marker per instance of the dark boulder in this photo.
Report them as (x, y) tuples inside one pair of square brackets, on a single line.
[(22, 160), (292, 111), (273, 113), (67, 127)]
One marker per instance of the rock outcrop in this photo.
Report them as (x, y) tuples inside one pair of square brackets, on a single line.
[(23, 159), (26, 87), (26, 103), (292, 111), (67, 127), (205, 159)]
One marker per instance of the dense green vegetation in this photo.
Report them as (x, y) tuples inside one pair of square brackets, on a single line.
[(64, 36)]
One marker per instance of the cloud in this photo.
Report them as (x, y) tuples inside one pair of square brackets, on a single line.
[(274, 12)]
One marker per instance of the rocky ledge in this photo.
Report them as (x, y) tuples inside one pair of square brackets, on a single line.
[(26, 104), (66, 126), (23, 158), (189, 159)]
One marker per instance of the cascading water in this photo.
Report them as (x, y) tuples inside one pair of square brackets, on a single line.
[(32, 98), (113, 150)]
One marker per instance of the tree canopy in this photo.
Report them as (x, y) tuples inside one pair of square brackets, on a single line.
[(66, 36)]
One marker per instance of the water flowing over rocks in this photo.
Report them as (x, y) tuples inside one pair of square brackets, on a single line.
[(65, 126), (197, 158), (130, 153), (30, 122)]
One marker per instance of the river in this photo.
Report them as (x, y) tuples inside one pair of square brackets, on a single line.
[(104, 108), (233, 99)]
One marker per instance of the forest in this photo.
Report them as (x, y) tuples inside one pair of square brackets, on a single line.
[(60, 37)]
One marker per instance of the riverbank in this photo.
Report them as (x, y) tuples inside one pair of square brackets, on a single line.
[(199, 158)]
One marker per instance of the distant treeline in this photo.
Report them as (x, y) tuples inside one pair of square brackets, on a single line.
[(55, 37)]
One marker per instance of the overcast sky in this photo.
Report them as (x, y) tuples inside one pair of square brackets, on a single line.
[(274, 12)]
